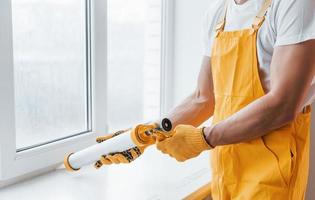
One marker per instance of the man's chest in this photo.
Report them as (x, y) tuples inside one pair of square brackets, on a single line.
[(236, 20)]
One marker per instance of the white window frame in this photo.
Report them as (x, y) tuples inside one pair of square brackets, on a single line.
[(15, 166), (167, 56)]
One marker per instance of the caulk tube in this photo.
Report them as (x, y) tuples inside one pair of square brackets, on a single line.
[(92, 154), (119, 143)]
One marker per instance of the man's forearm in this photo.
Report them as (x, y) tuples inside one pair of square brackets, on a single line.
[(253, 121), (194, 110), (199, 106)]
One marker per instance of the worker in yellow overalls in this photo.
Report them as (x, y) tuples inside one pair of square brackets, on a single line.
[(257, 85)]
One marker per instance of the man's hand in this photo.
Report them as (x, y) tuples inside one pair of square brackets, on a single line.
[(187, 142), (119, 157)]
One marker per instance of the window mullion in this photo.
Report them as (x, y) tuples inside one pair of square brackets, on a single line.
[(99, 65), (7, 106), (167, 56)]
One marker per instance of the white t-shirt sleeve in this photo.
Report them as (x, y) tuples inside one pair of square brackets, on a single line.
[(294, 21), (209, 24)]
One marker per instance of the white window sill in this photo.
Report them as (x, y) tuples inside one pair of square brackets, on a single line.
[(153, 176)]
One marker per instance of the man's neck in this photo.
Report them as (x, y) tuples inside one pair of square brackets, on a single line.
[(239, 2)]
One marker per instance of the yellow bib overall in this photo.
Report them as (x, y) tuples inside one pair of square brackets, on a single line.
[(273, 167)]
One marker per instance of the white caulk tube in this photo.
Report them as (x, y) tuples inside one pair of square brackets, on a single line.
[(119, 143), (91, 154)]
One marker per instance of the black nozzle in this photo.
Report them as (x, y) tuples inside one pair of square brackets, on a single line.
[(166, 125)]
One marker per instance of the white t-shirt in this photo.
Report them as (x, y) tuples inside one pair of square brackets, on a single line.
[(287, 22)]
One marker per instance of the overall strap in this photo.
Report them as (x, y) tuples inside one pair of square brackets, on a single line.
[(260, 17), (222, 19)]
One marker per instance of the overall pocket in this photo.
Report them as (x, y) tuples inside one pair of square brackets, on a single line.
[(283, 155)]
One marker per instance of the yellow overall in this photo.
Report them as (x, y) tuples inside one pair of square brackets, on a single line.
[(273, 167)]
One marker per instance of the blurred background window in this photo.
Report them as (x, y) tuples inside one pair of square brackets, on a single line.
[(134, 36), (50, 65)]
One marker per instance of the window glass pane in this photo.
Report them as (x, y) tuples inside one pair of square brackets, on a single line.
[(49, 40), (134, 61)]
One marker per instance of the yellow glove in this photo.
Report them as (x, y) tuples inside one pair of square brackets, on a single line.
[(129, 155), (187, 142)]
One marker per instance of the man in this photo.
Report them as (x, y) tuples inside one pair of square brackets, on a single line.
[(256, 82)]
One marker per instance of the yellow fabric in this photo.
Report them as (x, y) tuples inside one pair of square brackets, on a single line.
[(274, 166), (187, 142)]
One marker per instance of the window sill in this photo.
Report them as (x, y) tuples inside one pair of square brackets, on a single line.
[(152, 176)]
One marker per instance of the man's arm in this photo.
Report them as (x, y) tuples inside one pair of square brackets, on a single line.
[(199, 106), (194, 110), (292, 71)]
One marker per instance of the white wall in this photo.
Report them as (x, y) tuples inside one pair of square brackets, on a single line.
[(188, 47), (188, 54)]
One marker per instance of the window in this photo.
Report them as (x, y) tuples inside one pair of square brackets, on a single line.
[(73, 69), (50, 69), (134, 52), (52, 80)]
